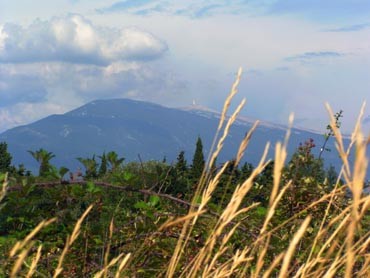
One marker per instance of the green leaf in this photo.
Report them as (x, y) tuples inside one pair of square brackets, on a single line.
[(30, 189), (141, 205), (150, 215), (261, 211), (98, 241), (92, 188), (127, 176), (154, 200)]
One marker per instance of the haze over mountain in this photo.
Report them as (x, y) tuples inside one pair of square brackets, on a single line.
[(133, 128)]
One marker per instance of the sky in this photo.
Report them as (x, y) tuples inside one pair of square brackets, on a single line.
[(296, 55)]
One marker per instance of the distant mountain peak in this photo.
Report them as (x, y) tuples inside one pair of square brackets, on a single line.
[(132, 127)]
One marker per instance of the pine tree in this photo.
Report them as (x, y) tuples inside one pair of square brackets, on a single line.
[(181, 164), (179, 180), (198, 161), (103, 165), (5, 158)]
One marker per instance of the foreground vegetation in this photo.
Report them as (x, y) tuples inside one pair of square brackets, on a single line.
[(281, 218)]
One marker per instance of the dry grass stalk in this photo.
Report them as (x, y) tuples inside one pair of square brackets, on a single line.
[(122, 265), (106, 255), (230, 122), (4, 187), (272, 209), (21, 244), (187, 227), (18, 263), (70, 240), (179, 220), (260, 258), (244, 144), (272, 267), (320, 231), (280, 157), (229, 213), (104, 271), (234, 90), (292, 246), (35, 260), (207, 193)]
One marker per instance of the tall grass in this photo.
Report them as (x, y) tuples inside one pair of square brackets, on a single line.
[(340, 246)]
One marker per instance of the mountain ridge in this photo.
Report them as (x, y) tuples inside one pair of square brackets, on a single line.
[(132, 128)]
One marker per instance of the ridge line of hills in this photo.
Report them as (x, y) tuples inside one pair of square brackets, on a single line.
[(132, 127)]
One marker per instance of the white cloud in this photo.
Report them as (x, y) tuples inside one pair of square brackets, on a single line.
[(25, 112), (31, 91), (133, 44), (75, 39)]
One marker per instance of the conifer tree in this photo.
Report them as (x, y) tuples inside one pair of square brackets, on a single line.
[(179, 184), (5, 158), (181, 164), (198, 160), (103, 165)]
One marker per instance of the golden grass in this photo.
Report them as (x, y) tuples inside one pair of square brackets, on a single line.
[(333, 251)]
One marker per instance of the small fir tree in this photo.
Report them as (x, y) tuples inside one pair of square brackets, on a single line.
[(103, 165), (181, 164), (198, 161)]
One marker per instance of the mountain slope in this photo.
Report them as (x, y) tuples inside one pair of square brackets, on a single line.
[(133, 128)]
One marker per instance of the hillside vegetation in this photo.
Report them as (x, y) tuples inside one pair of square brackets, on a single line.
[(199, 218)]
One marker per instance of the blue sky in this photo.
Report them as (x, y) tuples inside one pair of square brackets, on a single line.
[(296, 55)]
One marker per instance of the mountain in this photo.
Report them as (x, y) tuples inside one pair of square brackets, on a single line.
[(133, 128)]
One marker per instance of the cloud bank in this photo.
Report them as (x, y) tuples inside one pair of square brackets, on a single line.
[(74, 39), (55, 65)]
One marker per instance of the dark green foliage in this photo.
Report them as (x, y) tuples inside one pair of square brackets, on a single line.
[(307, 176), (181, 164), (137, 216), (246, 171), (179, 183), (43, 157), (267, 176), (90, 165), (198, 161), (303, 164), (331, 176), (114, 161), (5, 158), (228, 181), (21, 171), (62, 171), (103, 165)]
